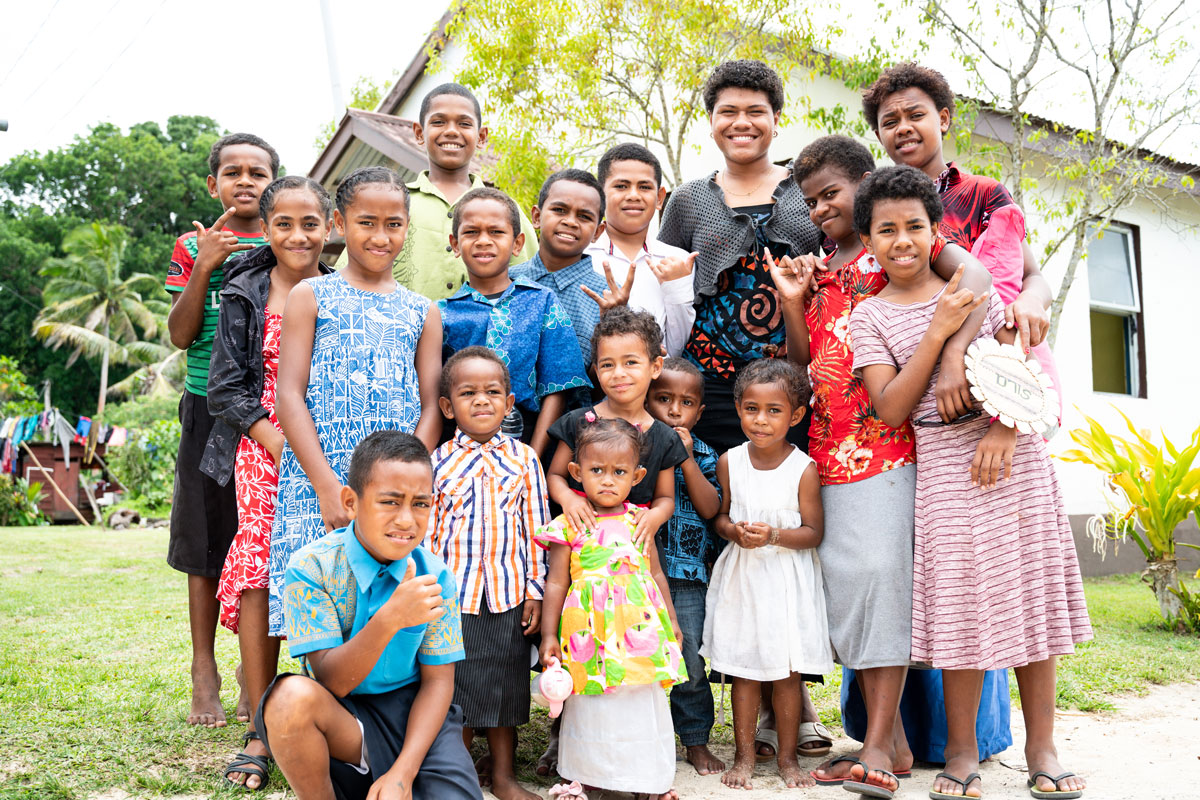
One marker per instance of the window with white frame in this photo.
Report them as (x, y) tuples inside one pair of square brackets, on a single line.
[(1116, 311)]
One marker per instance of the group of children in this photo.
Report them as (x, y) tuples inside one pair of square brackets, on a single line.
[(361, 473)]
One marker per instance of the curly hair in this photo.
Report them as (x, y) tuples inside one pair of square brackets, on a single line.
[(229, 140), (266, 202), (744, 73), (347, 190), (624, 320), (849, 157), (895, 183), (677, 364), (603, 430), (575, 176), (908, 75), (446, 383), (384, 446), (791, 379), (627, 151), (487, 193)]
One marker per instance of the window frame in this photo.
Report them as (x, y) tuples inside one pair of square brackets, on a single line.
[(1135, 347)]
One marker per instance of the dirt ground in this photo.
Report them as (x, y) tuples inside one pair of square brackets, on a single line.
[(1147, 750)]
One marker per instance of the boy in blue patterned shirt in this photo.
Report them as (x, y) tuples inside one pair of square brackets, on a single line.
[(687, 546), (373, 617), (519, 320)]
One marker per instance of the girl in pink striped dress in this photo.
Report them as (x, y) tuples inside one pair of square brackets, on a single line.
[(996, 580)]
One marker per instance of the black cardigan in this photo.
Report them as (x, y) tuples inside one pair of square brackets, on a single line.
[(235, 374)]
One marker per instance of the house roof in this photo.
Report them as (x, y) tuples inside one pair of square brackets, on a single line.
[(436, 40)]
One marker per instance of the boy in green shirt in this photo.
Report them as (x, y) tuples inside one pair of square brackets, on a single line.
[(450, 129)]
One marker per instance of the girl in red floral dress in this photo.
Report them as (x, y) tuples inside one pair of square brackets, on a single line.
[(247, 441)]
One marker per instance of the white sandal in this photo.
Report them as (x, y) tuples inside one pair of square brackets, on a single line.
[(814, 732)]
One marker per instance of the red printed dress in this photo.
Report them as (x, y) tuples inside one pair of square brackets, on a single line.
[(847, 440), (256, 478)]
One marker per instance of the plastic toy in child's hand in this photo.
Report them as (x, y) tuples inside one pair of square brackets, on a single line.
[(552, 688), (569, 790)]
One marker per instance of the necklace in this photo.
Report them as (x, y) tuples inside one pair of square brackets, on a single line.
[(725, 188)]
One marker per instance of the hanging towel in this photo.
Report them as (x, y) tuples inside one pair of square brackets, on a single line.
[(118, 437)]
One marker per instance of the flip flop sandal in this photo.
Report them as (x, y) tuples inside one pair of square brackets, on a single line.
[(871, 789), (768, 737), (836, 781), (245, 764), (814, 732), (1056, 794), (963, 783)]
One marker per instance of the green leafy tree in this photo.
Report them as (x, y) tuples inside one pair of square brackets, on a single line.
[(1127, 75), (562, 81), (95, 311), (17, 397)]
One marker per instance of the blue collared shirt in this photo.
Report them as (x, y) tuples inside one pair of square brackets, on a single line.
[(690, 543), (566, 284), (333, 587), (527, 328)]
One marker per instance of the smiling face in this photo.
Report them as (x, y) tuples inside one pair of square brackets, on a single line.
[(911, 128), (568, 222), (766, 413), (901, 237), (486, 241), (296, 229), (450, 132), (478, 400), (608, 470), (392, 513), (675, 399), (243, 174), (632, 196), (374, 225), (743, 124), (829, 195), (624, 368)]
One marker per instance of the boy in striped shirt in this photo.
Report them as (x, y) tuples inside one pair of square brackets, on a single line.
[(204, 513), (489, 499)]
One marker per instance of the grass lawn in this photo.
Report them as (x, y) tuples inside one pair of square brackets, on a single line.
[(94, 660)]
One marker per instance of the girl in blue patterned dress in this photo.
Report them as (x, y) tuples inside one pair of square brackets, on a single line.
[(359, 353)]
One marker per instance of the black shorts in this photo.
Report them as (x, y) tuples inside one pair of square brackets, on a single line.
[(446, 773), (203, 512)]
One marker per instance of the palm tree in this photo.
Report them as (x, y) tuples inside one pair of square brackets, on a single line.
[(87, 305)]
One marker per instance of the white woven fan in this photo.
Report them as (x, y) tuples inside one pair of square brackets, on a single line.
[(1011, 387)]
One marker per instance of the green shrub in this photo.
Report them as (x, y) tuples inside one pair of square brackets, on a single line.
[(145, 464), (17, 398), (142, 412), (19, 503)]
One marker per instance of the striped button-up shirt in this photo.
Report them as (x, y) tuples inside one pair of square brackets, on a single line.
[(490, 498)]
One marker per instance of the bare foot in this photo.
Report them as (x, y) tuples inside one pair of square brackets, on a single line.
[(794, 777), (1047, 761), (700, 757), (876, 775), (243, 705), (960, 767), (506, 788), (206, 696), (251, 781), (830, 772), (738, 776), (483, 769), (548, 762), (670, 794)]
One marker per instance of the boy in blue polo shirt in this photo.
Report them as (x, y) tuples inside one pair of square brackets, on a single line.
[(373, 617)]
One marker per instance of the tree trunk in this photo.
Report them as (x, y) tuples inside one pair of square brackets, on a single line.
[(1068, 279), (103, 377), (1163, 577)]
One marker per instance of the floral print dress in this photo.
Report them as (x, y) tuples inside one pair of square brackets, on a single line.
[(614, 628), (256, 480)]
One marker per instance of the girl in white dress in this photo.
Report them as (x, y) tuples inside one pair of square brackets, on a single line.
[(765, 615)]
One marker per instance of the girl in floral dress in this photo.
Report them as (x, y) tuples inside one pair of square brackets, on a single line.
[(607, 616), (247, 441)]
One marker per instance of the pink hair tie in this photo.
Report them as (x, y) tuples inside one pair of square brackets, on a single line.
[(589, 416)]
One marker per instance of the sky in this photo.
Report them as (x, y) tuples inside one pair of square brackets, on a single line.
[(253, 65)]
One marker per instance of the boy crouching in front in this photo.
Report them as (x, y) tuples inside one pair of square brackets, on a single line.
[(373, 618)]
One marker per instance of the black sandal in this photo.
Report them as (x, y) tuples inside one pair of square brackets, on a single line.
[(1056, 793), (245, 764), (960, 781), (868, 789), (836, 781)]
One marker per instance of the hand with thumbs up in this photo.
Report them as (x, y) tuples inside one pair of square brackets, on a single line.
[(416, 601)]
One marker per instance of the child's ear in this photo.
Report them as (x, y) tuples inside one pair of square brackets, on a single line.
[(447, 408), (599, 230), (662, 198), (866, 240), (797, 415), (575, 471), (266, 229), (656, 368), (638, 474), (535, 216), (339, 222), (509, 403), (699, 414), (944, 120), (484, 133), (349, 502), (211, 180), (419, 133), (454, 246), (518, 242)]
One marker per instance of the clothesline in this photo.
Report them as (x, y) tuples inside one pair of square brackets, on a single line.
[(51, 426)]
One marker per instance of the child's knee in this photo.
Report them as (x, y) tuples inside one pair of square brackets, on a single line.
[(291, 701)]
